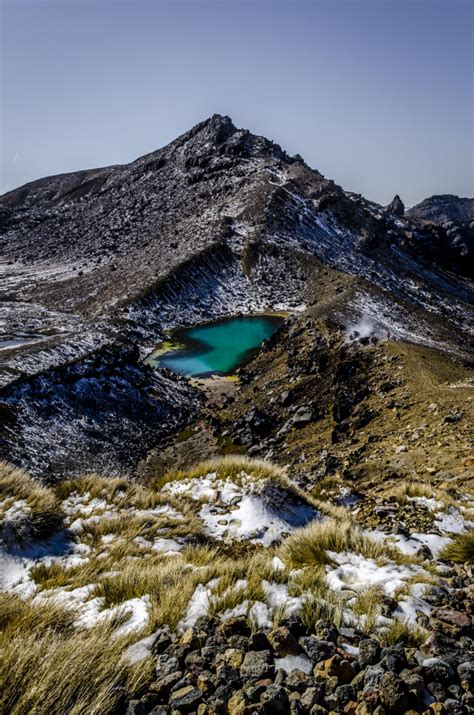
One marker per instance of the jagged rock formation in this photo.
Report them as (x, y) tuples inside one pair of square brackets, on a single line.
[(396, 207), (219, 221)]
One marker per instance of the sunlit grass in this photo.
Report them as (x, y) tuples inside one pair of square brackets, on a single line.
[(42, 515), (460, 549), (48, 667)]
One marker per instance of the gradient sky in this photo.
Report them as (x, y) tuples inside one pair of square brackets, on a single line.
[(376, 94)]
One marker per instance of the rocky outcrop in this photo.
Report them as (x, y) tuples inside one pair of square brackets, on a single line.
[(455, 217), (100, 413), (396, 206)]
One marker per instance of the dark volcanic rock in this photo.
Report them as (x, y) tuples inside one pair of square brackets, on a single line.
[(396, 206)]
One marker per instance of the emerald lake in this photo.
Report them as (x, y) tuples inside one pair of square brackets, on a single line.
[(216, 348)]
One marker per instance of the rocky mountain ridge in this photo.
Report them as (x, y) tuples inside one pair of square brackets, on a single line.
[(218, 222)]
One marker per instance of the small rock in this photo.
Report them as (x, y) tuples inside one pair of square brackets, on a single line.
[(369, 652), (275, 700), (394, 658), (337, 667), (257, 665), (451, 623), (316, 649), (283, 642), (311, 696), (238, 703), (393, 693), (234, 657), (135, 707), (466, 675), (437, 670), (186, 698)]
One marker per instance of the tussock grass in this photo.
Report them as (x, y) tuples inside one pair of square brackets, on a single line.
[(403, 490), (120, 492), (42, 515), (311, 544), (20, 616), (254, 569), (328, 487), (201, 555), (48, 668), (138, 579), (318, 600), (236, 468), (460, 549), (314, 609), (51, 575), (367, 606), (228, 467), (401, 631), (122, 525), (168, 581)]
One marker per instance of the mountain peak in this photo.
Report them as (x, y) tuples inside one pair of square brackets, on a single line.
[(396, 206)]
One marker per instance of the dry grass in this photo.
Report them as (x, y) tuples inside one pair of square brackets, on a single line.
[(228, 467), (401, 631), (168, 581), (367, 607), (42, 515), (311, 544), (48, 668), (120, 492), (460, 549), (403, 490), (253, 569)]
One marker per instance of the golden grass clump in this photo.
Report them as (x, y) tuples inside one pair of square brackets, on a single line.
[(460, 549), (121, 492), (311, 544), (228, 467), (49, 668), (401, 631), (42, 515)]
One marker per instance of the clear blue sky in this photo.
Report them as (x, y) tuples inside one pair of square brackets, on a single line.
[(376, 94)]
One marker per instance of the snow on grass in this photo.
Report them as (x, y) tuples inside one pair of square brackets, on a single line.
[(256, 520), (167, 546), (198, 605), (260, 511), (452, 521), (409, 545), (357, 573), (412, 605), (84, 504), (431, 504), (140, 650), (276, 596), (90, 611), (209, 488), (11, 510), (17, 561)]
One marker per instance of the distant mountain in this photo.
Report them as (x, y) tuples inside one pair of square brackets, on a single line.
[(97, 266), (445, 207), (456, 216)]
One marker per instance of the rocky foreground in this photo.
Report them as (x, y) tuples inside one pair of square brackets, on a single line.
[(227, 589), (228, 667)]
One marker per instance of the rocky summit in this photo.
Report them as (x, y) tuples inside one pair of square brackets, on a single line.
[(294, 535)]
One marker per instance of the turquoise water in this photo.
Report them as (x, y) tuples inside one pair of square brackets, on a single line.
[(220, 347)]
